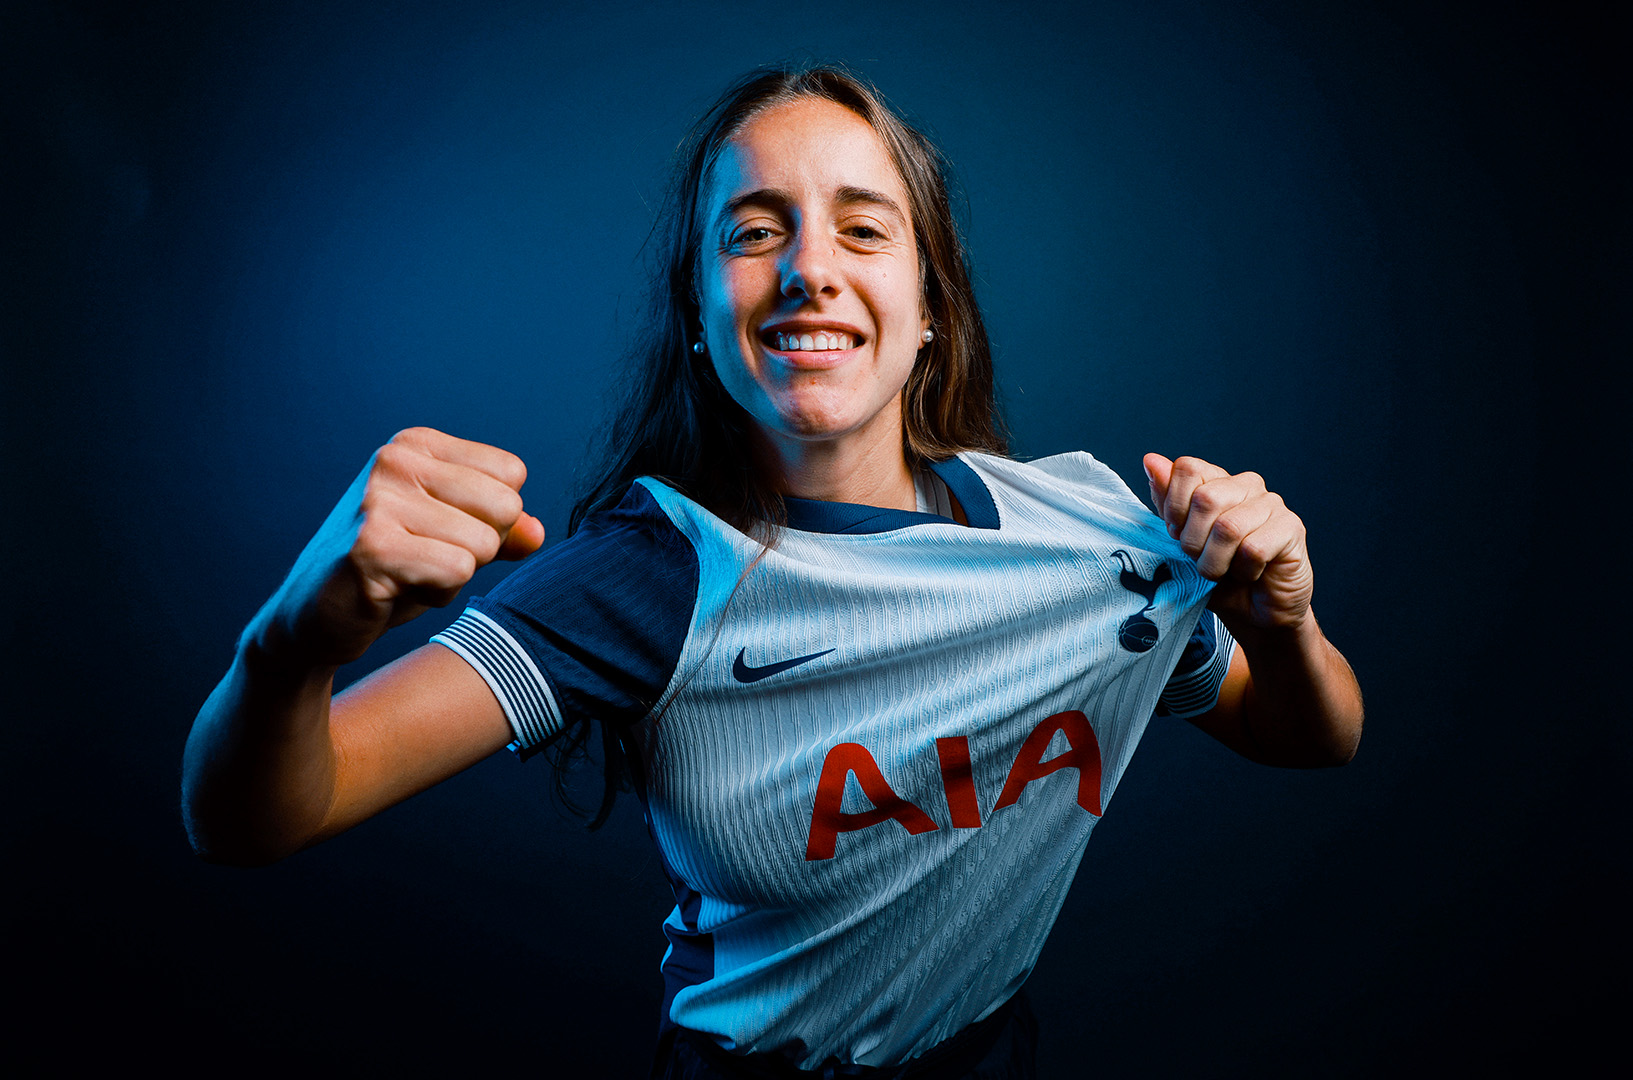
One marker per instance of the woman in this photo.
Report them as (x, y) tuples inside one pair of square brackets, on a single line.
[(844, 644)]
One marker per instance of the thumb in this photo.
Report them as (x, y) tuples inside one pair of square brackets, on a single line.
[(525, 537), (1158, 471)]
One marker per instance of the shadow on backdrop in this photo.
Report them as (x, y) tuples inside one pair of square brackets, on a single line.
[(1372, 253)]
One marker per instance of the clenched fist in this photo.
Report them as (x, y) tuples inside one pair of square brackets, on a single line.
[(416, 524), (1241, 536)]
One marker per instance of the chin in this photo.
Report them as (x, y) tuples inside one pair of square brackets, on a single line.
[(812, 429), (808, 417)]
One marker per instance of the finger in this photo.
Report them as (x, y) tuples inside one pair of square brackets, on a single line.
[(437, 520), (1279, 539), (1212, 500), (502, 465), (524, 538), (1222, 550), (1188, 475), (473, 492), (401, 467), (1158, 471), (398, 562)]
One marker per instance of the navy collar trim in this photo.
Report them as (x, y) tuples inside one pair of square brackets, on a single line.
[(813, 515)]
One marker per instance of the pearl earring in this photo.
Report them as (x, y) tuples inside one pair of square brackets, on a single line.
[(928, 336), (698, 347)]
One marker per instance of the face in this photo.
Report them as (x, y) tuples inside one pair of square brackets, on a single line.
[(809, 279)]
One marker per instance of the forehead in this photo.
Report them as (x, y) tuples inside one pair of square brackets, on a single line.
[(808, 149)]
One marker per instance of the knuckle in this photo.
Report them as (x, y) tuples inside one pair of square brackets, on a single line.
[(392, 459), (486, 544), (1252, 479), (379, 505), (461, 564), (512, 469), (1228, 529), (1255, 551), (1205, 499), (373, 542), (413, 436)]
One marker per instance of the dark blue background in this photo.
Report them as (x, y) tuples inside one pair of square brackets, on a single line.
[(1374, 252)]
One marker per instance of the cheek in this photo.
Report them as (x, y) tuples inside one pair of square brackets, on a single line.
[(901, 299), (741, 282)]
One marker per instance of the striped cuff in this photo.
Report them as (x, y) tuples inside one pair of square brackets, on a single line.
[(1195, 693), (512, 676)]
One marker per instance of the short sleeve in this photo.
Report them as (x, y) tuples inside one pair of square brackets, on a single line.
[(1193, 688), (591, 628)]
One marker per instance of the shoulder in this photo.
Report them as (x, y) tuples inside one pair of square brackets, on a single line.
[(631, 548), (591, 627), (1075, 484), (1075, 470)]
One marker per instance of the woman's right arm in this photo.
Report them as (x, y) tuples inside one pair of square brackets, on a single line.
[(272, 764)]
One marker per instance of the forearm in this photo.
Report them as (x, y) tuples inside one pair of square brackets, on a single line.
[(1302, 704), (258, 775)]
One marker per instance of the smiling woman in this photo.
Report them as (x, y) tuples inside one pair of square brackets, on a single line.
[(839, 642), (810, 299)]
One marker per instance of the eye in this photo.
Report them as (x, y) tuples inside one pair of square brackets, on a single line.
[(866, 233), (750, 236)]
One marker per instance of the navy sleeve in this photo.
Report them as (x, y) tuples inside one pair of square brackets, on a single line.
[(590, 628), (1194, 686)]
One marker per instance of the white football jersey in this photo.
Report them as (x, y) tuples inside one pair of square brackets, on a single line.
[(871, 756)]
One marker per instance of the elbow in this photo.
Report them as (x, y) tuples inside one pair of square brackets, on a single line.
[(1318, 745), (1350, 748), (1344, 740), (226, 839), (225, 851), (216, 845), (1338, 757)]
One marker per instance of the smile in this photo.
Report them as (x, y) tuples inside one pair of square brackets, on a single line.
[(809, 340)]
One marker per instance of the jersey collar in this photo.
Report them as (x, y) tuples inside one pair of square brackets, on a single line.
[(813, 515)]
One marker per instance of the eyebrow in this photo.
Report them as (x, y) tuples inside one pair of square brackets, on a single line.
[(845, 196)]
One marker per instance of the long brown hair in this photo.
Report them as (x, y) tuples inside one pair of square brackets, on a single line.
[(678, 423)]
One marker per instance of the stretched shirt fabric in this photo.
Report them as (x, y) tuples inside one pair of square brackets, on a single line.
[(872, 755)]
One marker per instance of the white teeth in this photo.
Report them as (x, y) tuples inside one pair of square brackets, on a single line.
[(818, 342)]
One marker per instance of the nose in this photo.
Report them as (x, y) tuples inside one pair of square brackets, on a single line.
[(808, 269)]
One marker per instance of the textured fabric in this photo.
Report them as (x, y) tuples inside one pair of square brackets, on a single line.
[(1004, 1046), (603, 617), (875, 753)]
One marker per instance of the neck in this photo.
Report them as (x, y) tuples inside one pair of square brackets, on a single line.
[(867, 467)]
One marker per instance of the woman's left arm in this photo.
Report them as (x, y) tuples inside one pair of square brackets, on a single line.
[(1289, 698)]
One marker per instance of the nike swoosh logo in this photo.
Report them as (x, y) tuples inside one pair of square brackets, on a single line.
[(745, 674)]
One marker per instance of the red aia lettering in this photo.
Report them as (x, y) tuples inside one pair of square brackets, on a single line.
[(828, 821), (958, 780), (1084, 756)]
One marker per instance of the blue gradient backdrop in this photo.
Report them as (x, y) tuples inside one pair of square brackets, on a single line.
[(1371, 251)]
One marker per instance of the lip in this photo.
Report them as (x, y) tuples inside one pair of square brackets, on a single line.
[(810, 359), (811, 326)]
